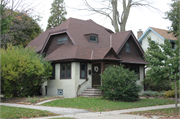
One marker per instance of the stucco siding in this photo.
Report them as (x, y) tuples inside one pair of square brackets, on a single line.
[(69, 86), (141, 76), (87, 84)]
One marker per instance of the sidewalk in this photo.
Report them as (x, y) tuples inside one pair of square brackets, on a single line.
[(84, 114), (57, 110), (117, 114)]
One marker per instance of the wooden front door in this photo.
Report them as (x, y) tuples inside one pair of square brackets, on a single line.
[(96, 71)]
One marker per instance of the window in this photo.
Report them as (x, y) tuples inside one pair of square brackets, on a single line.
[(93, 38), (83, 70), (173, 45), (65, 71), (134, 68), (53, 73), (127, 47), (62, 40)]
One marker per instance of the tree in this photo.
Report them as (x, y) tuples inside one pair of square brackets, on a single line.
[(5, 19), (173, 16), (120, 84), (14, 20), (22, 30), (110, 10), (58, 12), (163, 63), (22, 71)]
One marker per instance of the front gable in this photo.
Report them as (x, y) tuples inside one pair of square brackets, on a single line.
[(111, 54), (131, 51), (56, 41)]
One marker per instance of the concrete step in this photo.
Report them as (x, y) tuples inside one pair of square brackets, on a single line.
[(95, 92), (91, 92)]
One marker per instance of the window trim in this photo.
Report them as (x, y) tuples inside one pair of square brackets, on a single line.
[(65, 70), (85, 71), (54, 70)]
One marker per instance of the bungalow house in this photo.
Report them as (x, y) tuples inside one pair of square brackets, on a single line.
[(157, 35), (80, 50)]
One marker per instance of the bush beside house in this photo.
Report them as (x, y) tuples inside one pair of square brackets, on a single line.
[(22, 71), (120, 84)]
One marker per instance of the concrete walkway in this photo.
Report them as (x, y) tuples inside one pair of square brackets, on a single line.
[(84, 114), (117, 114), (57, 110)]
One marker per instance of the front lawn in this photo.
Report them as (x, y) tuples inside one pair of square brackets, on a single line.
[(159, 112), (17, 112), (99, 104)]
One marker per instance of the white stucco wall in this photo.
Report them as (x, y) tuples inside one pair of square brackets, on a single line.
[(43, 91), (141, 76), (154, 37), (87, 84), (69, 86)]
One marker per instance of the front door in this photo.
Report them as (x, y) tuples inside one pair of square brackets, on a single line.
[(96, 71)]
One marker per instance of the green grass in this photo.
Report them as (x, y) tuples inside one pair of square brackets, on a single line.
[(158, 112), (99, 104), (17, 112)]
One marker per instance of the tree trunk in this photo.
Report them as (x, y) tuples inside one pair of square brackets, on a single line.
[(115, 19), (176, 95)]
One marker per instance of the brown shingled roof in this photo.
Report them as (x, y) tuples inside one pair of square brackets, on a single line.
[(164, 33), (81, 48)]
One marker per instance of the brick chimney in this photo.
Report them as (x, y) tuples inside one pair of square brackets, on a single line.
[(139, 33)]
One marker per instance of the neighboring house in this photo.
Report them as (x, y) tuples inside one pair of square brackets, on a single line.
[(80, 50), (157, 35)]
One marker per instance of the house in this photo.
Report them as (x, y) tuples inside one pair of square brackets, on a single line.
[(157, 35), (80, 50)]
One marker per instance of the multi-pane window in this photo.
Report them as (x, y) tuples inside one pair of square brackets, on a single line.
[(83, 70), (65, 70), (128, 47)]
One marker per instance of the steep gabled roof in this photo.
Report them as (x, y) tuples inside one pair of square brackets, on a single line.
[(163, 34), (107, 48), (119, 40)]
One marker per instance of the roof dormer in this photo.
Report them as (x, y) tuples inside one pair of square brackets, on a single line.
[(92, 37)]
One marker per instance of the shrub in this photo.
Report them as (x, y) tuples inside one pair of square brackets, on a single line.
[(151, 85), (22, 71), (170, 94), (152, 94), (119, 84)]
